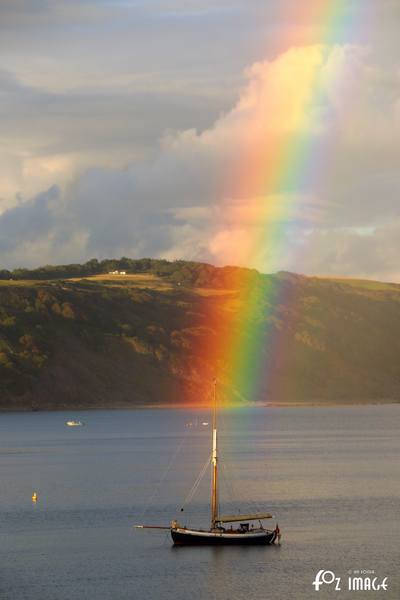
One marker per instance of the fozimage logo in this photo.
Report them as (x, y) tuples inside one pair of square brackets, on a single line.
[(327, 577), (358, 580)]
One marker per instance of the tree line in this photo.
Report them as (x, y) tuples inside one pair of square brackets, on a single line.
[(178, 271)]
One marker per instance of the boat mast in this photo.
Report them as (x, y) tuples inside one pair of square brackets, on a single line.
[(214, 463)]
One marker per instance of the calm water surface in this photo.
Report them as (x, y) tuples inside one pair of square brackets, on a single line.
[(330, 475)]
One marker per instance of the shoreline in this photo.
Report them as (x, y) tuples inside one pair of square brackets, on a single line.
[(154, 406)]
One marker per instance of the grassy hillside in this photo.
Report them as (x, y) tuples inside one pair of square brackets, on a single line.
[(149, 337)]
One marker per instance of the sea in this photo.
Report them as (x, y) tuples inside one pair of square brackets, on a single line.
[(329, 475)]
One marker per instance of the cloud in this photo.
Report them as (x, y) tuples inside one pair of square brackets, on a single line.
[(212, 194), (364, 252), (51, 137)]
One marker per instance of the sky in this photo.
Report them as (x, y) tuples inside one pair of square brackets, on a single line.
[(135, 128)]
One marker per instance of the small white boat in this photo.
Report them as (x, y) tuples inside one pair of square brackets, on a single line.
[(74, 423)]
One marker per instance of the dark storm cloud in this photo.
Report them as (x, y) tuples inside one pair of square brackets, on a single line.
[(29, 221)]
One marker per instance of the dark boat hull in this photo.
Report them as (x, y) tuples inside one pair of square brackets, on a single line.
[(188, 537)]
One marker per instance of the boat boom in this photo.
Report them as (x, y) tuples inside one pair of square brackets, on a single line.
[(152, 527), (235, 518)]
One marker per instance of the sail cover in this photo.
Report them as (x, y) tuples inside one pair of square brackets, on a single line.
[(253, 517)]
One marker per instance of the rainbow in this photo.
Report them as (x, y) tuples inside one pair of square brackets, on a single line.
[(269, 182)]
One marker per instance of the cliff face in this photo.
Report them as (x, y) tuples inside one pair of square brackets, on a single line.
[(112, 341)]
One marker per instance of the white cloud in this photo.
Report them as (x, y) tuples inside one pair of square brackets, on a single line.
[(329, 115)]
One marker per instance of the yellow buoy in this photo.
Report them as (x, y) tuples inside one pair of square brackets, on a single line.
[(34, 497)]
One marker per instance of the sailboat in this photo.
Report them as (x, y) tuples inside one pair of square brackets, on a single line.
[(219, 533)]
